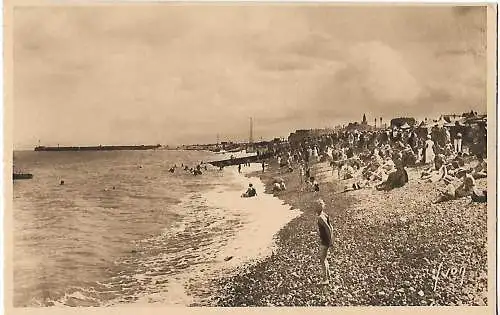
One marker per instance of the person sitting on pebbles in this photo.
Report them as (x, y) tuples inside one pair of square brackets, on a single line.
[(388, 165), (467, 186), (458, 190), (373, 166), (481, 168), (409, 157), (346, 171), (278, 185), (458, 161), (251, 192), (314, 185), (357, 185), (440, 171), (396, 179)]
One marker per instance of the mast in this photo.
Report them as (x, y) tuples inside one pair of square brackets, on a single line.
[(251, 131)]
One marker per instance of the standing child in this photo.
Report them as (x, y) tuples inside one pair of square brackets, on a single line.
[(326, 239)]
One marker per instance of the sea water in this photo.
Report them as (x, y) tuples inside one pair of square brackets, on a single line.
[(123, 229)]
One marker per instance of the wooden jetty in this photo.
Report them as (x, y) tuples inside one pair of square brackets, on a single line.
[(241, 160), (16, 176)]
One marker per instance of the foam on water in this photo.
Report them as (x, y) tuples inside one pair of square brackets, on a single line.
[(252, 237), (264, 216), (200, 230)]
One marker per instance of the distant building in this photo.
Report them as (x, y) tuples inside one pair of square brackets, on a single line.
[(358, 127), (303, 134)]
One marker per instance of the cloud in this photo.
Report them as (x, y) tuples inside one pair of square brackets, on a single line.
[(370, 76), (182, 71), (284, 63), (385, 74), (315, 45)]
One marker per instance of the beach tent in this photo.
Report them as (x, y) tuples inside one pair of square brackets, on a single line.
[(452, 120), (441, 121), (423, 125), (423, 129), (405, 126), (476, 120)]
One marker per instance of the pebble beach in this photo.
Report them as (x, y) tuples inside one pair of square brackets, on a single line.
[(390, 248)]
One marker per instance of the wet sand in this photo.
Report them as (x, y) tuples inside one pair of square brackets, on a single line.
[(264, 216), (391, 248), (248, 228)]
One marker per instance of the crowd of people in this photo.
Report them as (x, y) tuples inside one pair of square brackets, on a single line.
[(381, 159)]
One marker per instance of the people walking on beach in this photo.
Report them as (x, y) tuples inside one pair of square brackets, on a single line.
[(315, 154), (447, 135), (326, 239), (429, 150), (239, 168), (458, 143), (263, 166), (302, 173)]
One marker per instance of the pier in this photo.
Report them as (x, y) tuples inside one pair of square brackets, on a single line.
[(242, 160)]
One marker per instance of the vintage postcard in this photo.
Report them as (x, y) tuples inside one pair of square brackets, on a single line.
[(249, 157)]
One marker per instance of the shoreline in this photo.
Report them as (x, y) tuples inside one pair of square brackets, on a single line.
[(386, 250), (231, 252), (257, 225), (284, 239)]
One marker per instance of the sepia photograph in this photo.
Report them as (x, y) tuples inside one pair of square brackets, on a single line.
[(238, 154)]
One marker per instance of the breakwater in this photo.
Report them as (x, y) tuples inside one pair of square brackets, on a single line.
[(99, 148)]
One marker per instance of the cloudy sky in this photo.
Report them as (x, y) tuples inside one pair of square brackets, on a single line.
[(184, 73)]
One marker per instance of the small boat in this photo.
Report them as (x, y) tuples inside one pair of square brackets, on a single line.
[(22, 176)]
